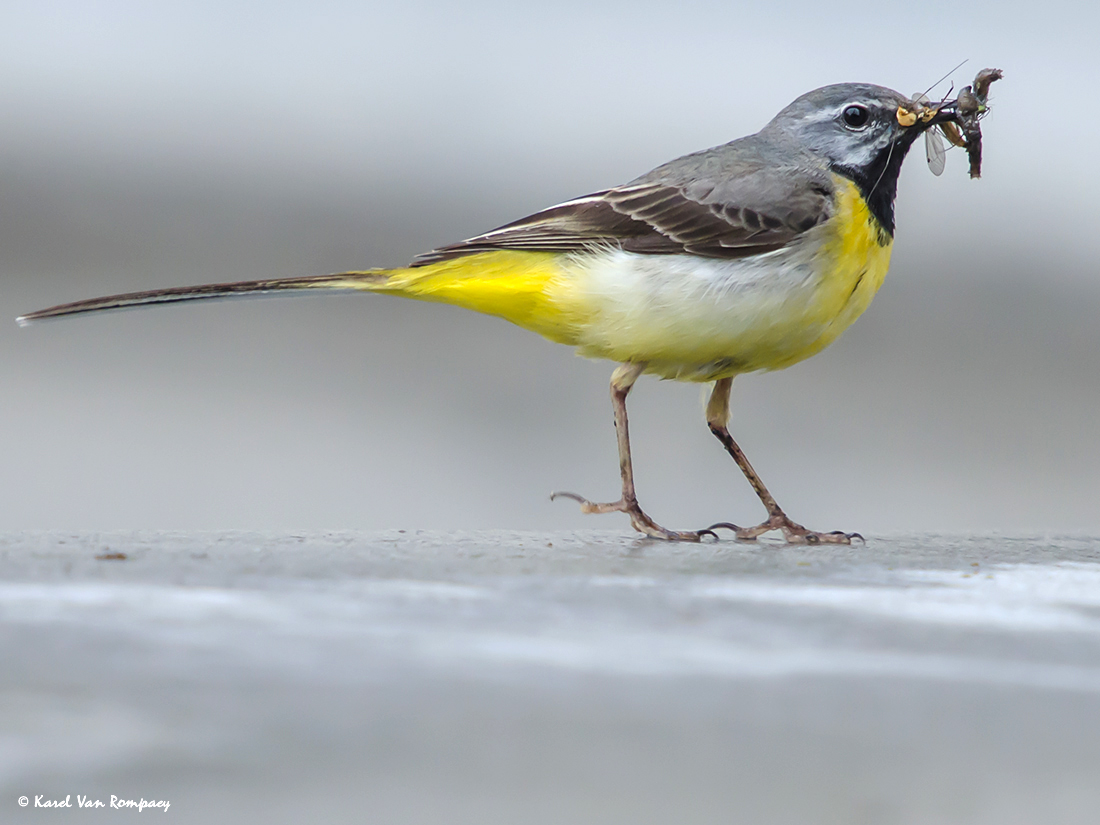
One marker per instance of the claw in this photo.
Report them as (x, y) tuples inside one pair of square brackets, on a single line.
[(706, 531), (848, 536), (739, 533), (724, 525), (574, 496)]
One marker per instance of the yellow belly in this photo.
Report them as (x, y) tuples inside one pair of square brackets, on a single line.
[(853, 262), (689, 318)]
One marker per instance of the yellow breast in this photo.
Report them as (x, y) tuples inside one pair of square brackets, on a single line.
[(852, 262)]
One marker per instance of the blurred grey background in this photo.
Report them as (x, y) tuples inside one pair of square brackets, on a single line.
[(148, 145)]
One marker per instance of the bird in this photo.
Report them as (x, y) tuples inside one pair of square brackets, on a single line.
[(749, 256)]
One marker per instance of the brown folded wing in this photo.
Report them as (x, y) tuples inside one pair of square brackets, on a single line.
[(734, 218)]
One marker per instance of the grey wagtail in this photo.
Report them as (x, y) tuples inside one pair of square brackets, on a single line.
[(749, 256)]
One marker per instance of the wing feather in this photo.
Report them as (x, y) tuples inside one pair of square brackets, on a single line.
[(747, 211)]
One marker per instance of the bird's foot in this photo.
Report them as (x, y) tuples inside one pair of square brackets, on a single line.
[(641, 522), (793, 532)]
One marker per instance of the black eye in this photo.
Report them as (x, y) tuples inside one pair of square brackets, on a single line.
[(856, 117)]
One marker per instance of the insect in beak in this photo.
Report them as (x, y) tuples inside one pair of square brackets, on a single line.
[(957, 120)]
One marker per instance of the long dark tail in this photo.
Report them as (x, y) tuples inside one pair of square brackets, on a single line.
[(372, 280)]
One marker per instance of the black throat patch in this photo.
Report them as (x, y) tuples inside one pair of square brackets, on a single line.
[(878, 180)]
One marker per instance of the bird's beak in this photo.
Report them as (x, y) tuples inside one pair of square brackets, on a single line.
[(915, 117), (923, 115)]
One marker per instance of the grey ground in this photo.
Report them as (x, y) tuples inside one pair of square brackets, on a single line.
[(550, 678)]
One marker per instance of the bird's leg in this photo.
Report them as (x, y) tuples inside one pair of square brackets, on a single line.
[(718, 413), (621, 382)]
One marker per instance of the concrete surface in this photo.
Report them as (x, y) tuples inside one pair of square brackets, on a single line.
[(549, 678)]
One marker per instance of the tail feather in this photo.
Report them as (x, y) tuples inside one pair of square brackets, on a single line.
[(341, 281), (531, 289)]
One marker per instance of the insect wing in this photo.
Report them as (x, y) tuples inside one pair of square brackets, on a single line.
[(933, 144), (934, 151)]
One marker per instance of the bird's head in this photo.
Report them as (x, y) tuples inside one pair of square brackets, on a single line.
[(860, 131)]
